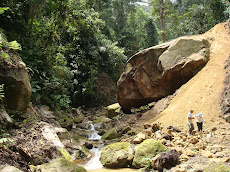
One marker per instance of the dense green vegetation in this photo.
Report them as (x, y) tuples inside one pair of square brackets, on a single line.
[(72, 46)]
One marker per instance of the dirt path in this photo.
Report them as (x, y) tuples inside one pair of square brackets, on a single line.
[(202, 93)]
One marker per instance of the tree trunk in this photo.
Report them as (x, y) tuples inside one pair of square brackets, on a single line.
[(162, 21)]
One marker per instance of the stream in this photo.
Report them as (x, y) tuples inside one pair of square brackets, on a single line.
[(94, 164), (95, 138)]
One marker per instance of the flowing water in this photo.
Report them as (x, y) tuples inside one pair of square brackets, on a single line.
[(94, 162)]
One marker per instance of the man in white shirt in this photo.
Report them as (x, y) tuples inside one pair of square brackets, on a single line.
[(199, 121), (190, 123)]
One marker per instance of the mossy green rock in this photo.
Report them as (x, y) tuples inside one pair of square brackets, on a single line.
[(111, 134), (79, 169), (78, 119), (60, 165), (217, 167), (146, 151), (81, 153), (117, 155), (67, 123), (113, 110), (126, 129)]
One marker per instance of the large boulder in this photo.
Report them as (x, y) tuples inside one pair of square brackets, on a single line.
[(17, 89), (146, 151), (117, 155), (158, 71)]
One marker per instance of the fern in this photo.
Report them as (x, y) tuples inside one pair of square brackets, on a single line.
[(14, 45)]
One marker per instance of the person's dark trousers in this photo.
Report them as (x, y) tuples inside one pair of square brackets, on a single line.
[(199, 126), (191, 127)]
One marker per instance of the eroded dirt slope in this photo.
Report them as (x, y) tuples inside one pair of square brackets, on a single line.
[(202, 93)]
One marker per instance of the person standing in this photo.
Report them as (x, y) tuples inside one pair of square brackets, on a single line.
[(190, 123), (199, 121)]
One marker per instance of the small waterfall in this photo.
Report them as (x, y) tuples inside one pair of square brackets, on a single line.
[(93, 133), (94, 163)]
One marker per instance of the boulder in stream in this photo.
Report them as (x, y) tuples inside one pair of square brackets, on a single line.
[(117, 155), (145, 151)]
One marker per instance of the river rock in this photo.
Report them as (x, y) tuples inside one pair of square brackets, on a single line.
[(113, 110), (5, 119), (146, 151), (167, 136), (155, 127), (8, 168), (111, 134), (17, 89), (216, 148), (158, 71), (166, 160), (139, 138), (147, 125), (46, 112), (117, 155), (60, 165), (206, 153), (126, 129)]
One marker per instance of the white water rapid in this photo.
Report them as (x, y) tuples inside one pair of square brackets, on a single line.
[(94, 163)]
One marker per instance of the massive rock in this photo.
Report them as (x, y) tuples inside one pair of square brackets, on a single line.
[(17, 87), (158, 71)]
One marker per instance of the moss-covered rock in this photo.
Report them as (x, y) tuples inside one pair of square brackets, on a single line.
[(60, 165), (67, 123), (111, 134), (79, 169), (126, 129), (146, 151), (81, 153), (97, 120), (78, 119), (131, 133), (217, 167), (117, 155), (65, 153), (113, 110), (103, 123)]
